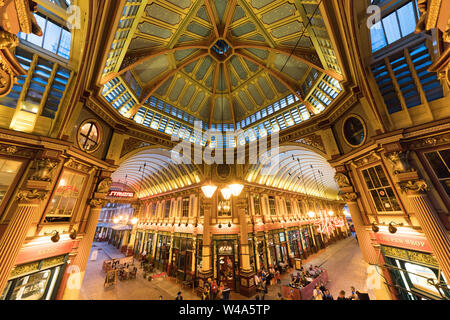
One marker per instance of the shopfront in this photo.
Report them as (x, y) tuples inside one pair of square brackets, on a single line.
[(295, 243), (261, 251), (148, 243), (37, 280), (227, 261), (182, 256), (278, 247), (415, 274), (162, 251), (307, 241)]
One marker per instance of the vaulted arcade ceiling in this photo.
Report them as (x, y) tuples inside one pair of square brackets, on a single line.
[(221, 61)]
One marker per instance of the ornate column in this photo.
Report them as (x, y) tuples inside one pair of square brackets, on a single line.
[(349, 196), (207, 271), (430, 223), (364, 240), (247, 287), (17, 229), (407, 177), (79, 262)]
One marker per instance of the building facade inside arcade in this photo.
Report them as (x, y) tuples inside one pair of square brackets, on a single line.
[(216, 139)]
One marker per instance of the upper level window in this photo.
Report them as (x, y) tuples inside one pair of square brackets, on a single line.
[(185, 207), (66, 196), (288, 206), (440, 162), (272, 209), (257, 206), (380, 189), (394, 26), (56, 39), (8, 172), (167, 209)]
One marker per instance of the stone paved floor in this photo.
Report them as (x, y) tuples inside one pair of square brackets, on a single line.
[(343, 261)]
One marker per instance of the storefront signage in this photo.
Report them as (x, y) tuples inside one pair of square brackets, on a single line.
[(43, 251), (411, 242), (120, 194)]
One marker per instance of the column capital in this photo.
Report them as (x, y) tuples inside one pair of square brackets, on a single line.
[(97, 203), (350, 196)]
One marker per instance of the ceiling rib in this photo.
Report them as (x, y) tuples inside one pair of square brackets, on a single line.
[(331, 73), (213, 101), (212, 18), (230, 97), (229, 17)]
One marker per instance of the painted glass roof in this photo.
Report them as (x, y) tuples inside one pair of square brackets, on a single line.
[(221, 62)]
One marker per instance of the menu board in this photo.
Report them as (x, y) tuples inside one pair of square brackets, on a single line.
[(111, 278)]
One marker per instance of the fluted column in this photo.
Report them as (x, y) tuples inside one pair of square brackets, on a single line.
[(16, 231), (80, 261), (247, 274), (432, 226), (206, 271), (206, 250), (367, 249)]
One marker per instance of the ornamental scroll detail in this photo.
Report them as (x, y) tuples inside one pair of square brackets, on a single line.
[(414, 185), (44, 169), (29, 195)]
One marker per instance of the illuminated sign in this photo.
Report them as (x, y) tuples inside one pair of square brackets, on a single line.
[(120, 194)]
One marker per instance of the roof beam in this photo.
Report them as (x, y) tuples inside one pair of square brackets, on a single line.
[(135, 60), (212, 18), (331, 73), (229, 17), (283, 81), (213, 102), (227, 78)]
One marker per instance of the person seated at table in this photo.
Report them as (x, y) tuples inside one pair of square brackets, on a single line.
[(311, 271), (318, 270)]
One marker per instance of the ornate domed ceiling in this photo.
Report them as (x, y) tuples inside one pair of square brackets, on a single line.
[(220, 60)]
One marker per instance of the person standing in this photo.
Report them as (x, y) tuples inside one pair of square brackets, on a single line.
[(327, 295), (341, 295), (179, 296), (318, 295)]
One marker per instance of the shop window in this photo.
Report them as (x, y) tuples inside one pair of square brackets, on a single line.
[(420, 276), (185, 207), (257, 205), (166, 208), (8, 172), (36, 286), (64, 201), (272, 206), (440, 162), (381, 191), (89, 136)]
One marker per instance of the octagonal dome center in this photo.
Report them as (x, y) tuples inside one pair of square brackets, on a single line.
[(221, 50)]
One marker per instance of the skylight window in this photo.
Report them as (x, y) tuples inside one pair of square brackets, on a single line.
[(394, 26), (56, 39)]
